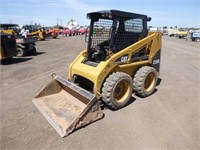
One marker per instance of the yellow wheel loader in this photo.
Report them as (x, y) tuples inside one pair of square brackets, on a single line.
[(181, 34), (121, 58)]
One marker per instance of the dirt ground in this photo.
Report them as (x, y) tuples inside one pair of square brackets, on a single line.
[(167, 120)]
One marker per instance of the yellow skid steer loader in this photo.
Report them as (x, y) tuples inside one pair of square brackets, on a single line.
[(8, 46), (122, 57)]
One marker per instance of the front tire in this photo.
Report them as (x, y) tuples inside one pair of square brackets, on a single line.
[(21, 52), (33, 50), (144, 81), (117, 90)]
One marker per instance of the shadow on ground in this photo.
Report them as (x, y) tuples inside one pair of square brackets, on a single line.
[(37, 53), (14, 60)]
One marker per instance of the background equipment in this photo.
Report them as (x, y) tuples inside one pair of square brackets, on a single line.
[(8, 46), (195, 36), (40, 34), (53, 33), (25, 45)]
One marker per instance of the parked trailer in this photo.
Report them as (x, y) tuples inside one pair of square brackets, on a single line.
[(172, 32), (195, 36)]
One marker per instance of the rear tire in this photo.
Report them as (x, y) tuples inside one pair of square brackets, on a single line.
[(21, 52), (144, 81), (117, 90), (33, 50)]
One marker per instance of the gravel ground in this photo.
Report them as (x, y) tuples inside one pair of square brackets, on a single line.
[(168, 120)]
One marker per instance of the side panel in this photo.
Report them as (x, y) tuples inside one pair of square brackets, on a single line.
[(1, 53), (98, 74), (155, 52), (8, 45), (131, 68), (156, 61)]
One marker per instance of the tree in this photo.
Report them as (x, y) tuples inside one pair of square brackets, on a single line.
[(165, 27)]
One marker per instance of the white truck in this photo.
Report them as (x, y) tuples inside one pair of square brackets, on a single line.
[(195, 36)]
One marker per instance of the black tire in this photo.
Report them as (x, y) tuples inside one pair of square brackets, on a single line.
[(144, 81), (21, 52), (117, 90), (33, 50), (197, 40)]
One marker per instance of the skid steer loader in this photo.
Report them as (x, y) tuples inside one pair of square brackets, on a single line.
[(8, 46), (25, 45), (40, 34), (121, 57)]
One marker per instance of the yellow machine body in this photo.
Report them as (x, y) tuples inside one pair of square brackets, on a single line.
[(107, 74), (39, 33), (182, 33), (97, 74)]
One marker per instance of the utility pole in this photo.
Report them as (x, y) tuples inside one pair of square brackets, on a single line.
[(57, 21), (10, 21), (60, 21)]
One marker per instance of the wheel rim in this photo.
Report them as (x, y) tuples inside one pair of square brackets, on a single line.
[(122, 91), (149, 82), (19, 52)]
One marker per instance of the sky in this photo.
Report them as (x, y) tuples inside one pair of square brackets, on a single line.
[(170, 13)]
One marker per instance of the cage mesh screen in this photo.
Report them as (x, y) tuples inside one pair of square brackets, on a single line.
[(134, 25), (101, 31), (127, 33)]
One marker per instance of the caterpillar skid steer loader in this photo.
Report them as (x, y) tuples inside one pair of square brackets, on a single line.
[(25, 45), (121, 58), (8, 46)]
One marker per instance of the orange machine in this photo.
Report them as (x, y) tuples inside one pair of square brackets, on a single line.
[(52, 33)]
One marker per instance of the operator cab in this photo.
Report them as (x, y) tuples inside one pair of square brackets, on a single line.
[(111, 31), (11, 27)]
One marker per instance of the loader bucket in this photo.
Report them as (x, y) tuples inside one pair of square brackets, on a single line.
[(67, 106)]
